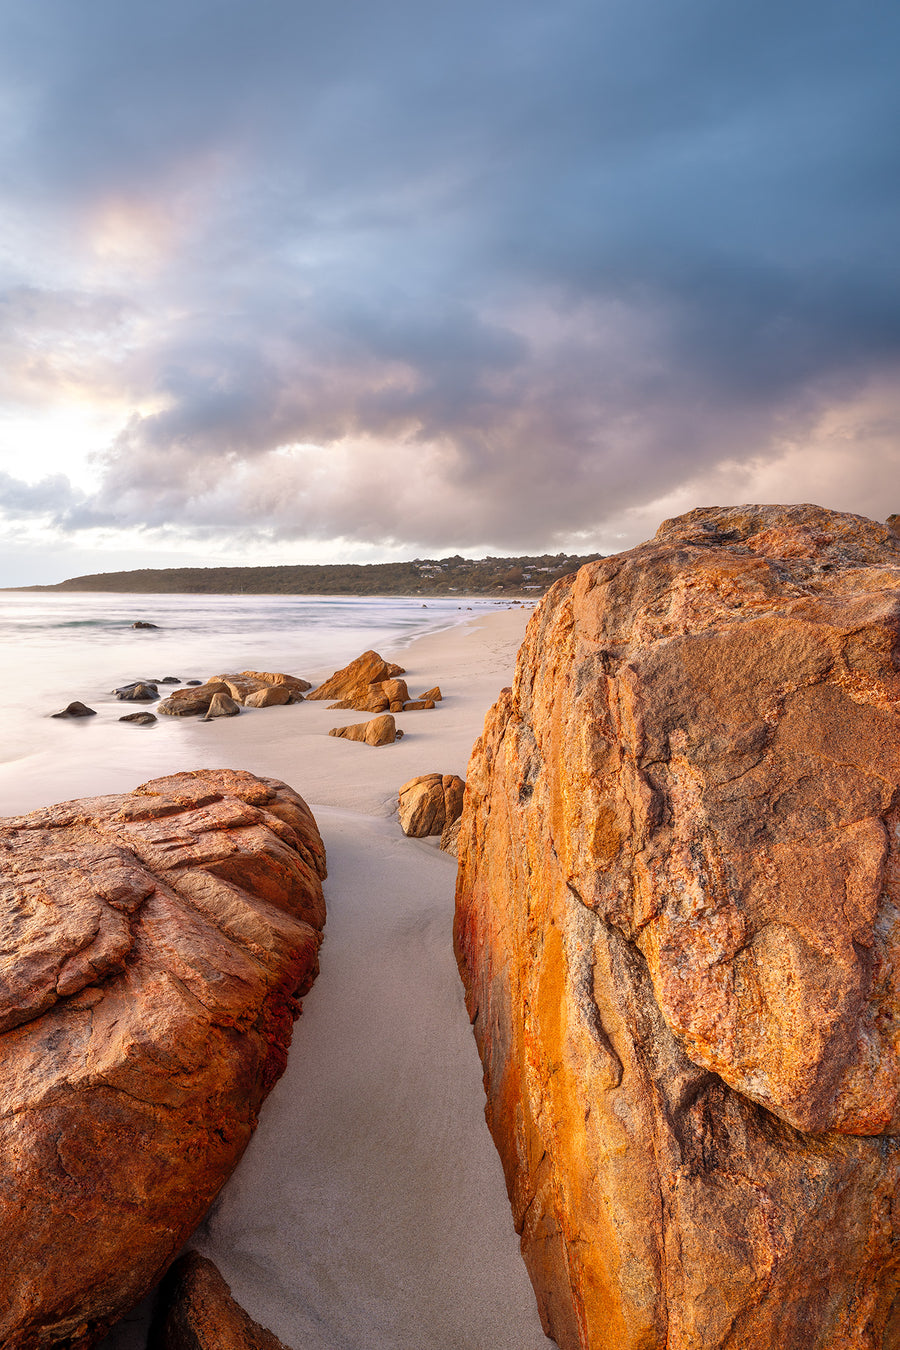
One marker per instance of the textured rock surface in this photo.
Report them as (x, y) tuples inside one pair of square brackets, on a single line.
[(193, 700), (377, 731), (293, 682), (678, 922), (450, 837), (261, 690), (430, 802), (195, 1311), (351, 684), (152, 949), (271, 696)]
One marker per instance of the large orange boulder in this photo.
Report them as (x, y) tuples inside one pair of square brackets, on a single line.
[(155, 946), (678, 924), (351, 684)]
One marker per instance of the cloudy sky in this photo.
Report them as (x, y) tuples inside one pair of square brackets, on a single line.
[(297, 280)]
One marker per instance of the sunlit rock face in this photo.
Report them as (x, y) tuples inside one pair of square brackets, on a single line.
[(153, 948), (678, 923)]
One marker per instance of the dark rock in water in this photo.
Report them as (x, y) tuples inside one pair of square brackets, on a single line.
[(138, 693), (142, 624), (76, 709), (162, 940), (196, 1311), (141, 719), (169, 679), (192, 682)]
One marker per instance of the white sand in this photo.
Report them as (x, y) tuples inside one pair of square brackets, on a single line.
[(369, 1211)]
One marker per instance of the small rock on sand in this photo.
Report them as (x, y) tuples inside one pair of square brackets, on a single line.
[(378, 731)]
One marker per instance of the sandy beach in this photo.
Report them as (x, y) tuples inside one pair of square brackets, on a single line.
[(369, 1211)]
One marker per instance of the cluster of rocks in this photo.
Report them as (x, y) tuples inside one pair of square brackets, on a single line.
[(678, 925), (158, 943), (225, 695), (219, 696), (371, 684)]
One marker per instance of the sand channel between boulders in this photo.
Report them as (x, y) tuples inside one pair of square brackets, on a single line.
[(369, 1211)]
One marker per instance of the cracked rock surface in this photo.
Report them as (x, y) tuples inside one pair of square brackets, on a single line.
[(153, 948), (678, 924)]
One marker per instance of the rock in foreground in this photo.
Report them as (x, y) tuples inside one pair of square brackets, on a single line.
[(154, 948), (196, 1311), (351, 684), (678, 923), (429, 803)]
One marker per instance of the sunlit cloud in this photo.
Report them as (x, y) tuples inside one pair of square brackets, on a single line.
[(456, 278)]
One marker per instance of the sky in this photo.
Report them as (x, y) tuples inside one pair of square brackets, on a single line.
[(297, 281)]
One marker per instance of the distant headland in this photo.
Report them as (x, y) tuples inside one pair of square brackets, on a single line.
[(428, 576)]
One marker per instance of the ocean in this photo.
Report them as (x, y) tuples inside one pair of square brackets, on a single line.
[(61, 646)]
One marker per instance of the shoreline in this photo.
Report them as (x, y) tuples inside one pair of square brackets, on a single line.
[(46, 761), (369, 1211)]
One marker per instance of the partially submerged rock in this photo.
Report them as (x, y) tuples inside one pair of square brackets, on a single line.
[(139, 719), (76, 709), (378, 731), (155, 945), (195, 1311), (429, 803), (141, 691), (678, 923)]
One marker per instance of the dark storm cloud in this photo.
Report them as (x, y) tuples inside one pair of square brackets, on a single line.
[(503, 270)]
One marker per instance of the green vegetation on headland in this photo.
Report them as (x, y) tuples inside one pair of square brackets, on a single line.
[(428, 576)]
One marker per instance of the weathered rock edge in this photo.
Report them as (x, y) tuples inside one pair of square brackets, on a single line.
[(677, 923), (154, 947), (195, 1310)]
